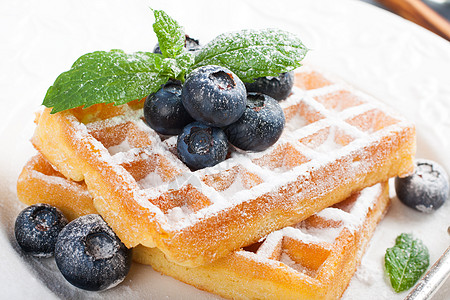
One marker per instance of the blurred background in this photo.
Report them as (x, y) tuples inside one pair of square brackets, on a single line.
[(431, 14)]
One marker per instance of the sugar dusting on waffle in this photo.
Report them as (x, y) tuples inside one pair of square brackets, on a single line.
[(351, 219), (301, 259), (346, 141), (318, 130), (320, 232)]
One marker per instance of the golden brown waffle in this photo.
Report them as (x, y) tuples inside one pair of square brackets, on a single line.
[(314, 259), (336, 141), (39, 182)]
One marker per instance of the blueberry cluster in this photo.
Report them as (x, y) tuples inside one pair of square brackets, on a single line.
[(214, 108), (87, 252)]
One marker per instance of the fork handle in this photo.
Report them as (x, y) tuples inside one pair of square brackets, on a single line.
[(435, 277), (421, 14)]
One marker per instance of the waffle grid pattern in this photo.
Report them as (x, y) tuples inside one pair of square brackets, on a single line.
[(341, 135), (315, 258), (339, 116)]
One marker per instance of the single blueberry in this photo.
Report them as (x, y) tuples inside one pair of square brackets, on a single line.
[(201, 146), (278, 87), (426, 189), (260, 126), (90, 255), (190, 44), (214, 95), (164, 111), (37, 228), (157, 49)]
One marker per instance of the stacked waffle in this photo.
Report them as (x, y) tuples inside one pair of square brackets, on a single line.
[(337, 143)]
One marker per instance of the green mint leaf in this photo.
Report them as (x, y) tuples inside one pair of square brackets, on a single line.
[(171, 37), (406, 262), (254, 53), (178, 66), (106, 77), (185, 60)]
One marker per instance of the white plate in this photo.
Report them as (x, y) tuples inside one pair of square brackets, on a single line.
[(382, 54)]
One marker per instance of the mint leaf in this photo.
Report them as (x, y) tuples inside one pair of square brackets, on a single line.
[(171, 37), (106, 77), (117, 77), (254, 53), (178, 66), (406, 262)]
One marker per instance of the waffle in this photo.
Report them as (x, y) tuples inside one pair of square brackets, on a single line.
[(336, 141), (39, 182), (315, 259)]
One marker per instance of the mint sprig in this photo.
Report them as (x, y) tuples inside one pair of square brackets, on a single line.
[(171, 36), (178, 66), (106, 77), (406, 262), (254, 53), (116, 77)]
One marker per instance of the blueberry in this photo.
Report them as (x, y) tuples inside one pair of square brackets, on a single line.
[(260, 126), (37, 228), (190, 44), (276, 87), (426, 189), (164, 111), (90, 255), (156, 49), (214, 95), (201, 146)]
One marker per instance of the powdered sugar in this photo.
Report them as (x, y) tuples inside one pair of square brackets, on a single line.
[(332, 150), (150, 181), (122, 147), (301, 165), (274, 248)]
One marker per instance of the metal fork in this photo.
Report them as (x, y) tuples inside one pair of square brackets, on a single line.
[(433, 279)]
